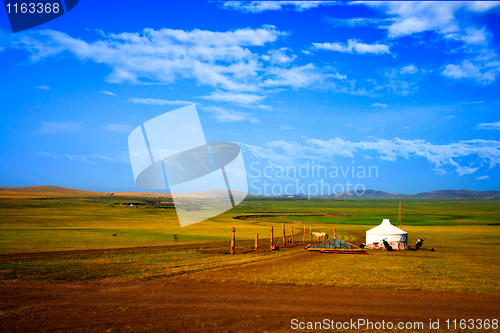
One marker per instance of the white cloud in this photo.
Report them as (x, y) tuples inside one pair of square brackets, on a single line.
[(297, 76), (261, 6), (117, 128), (470, 36), (222, 60), (108, 93), (482, 74), (59, 127), (409, 70), (439, 156), (354, 46), (43, 87), (448, 19), (483, 177), (279, 56), (286, 127), (411, 17), (489, 126), (379, 105), (217, 59), (230, 97), (79, 158), (155, 101), (224, 115)]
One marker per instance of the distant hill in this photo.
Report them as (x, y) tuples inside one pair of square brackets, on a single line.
[(433, 195), (44, 192)]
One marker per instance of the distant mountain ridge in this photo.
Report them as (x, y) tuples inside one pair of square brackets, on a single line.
[(433, 195), (54, 191)]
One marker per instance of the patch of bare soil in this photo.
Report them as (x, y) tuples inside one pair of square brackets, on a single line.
[(181, 304)]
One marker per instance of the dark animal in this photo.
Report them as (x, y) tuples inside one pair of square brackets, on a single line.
[(115, 234), (420, 242)]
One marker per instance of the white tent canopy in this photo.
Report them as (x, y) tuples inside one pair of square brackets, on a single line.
[(388, 232)]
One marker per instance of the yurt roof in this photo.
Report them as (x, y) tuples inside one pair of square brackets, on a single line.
[(386, 228)]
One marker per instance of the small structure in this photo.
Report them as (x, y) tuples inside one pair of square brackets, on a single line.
[(397, 238), (335, 245)]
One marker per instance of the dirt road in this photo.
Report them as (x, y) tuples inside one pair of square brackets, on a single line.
[(181, 304)]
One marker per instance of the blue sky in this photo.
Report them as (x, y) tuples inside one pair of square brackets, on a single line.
[(409, 89)]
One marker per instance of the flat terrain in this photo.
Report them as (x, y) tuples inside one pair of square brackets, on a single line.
[(182, 304), (62, 269)]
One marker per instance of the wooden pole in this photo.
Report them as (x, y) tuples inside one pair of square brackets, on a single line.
[(304, 236), (256, 242), (284, 237), (271, 240), (310, 235), (292, 235), (233, 240)]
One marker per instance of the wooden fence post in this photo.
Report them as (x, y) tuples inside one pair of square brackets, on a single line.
[(271, 240), (256, 242), (284, 237), (310, 235), (304, 236), (292, 235), (232, 241)]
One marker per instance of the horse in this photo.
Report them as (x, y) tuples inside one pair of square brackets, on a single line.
[(319, 235)]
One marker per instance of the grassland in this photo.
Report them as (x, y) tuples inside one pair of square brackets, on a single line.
[(466, 257)]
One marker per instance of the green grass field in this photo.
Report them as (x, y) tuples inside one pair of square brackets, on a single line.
[(466, 259)]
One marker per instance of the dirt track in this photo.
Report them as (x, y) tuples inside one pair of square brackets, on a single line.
[(181, 304)]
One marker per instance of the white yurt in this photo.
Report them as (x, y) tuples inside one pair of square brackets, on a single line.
[(397, 238)]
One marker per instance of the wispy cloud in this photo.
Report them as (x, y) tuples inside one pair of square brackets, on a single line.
[(439, 156), (402, 80), (483, 177), (298, 76), (480, 64), (45, 154), (379, 105), (415, 17), (117, 128), (279, 57), (480, 102), (155, 101), (225, 115), (230, 97), (108, 93), (354, 46), (262, 6), (217, 59), (489, 126), (355, 22), (59, 127), (43, 87), (89, 158)]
